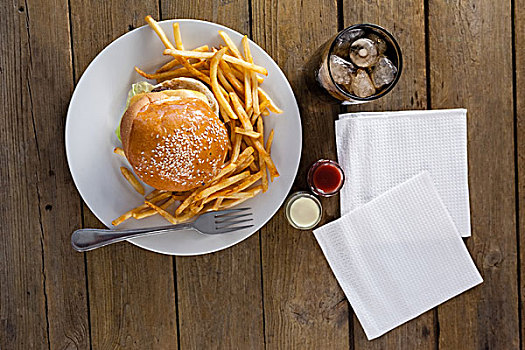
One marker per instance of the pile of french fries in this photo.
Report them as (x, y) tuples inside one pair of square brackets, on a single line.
[(235, 81)]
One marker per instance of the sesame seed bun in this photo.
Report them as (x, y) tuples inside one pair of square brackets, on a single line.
[(174, 142)]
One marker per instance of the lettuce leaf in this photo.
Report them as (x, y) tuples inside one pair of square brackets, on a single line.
[(137, 88)]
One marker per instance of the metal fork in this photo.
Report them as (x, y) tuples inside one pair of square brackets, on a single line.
[(215, 222)]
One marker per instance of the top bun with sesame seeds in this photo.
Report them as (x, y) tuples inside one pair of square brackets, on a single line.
[(173, 139)]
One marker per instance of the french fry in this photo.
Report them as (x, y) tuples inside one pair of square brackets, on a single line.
[(193, 71), (162, 36), (230, 44), (245, 164), (267, 159), (246, 194), (246, 48), (122, 218), (175, 62), (247, 91), (177, 37), (264, 96), (249, 133), (253, 76), (217, 203), (119, 151), (186, 203), (155, 26), (263, 109), (128, 175), (269, 142), (155, 199), (243, 117), (253, 167), (140, 211), (186, 216), (221, 184), (153, 194), (236, 188), (215, 84), (245, 184), (240, 74), (157, 195), (163, 213), (262, 164), (151, 212), (233, 165), (237, 85), (171, 73), (224, 81), (203, 55), (236, 149), (223, 114), (233, 202)]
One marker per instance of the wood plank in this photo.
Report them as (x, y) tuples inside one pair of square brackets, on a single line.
[(405, 20), (22, 297), (219, 295), (131, 291), (44, 301), (304, 306), (465, 39), (519, 50)]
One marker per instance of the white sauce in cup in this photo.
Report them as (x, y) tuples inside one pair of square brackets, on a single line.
[(303, 210)]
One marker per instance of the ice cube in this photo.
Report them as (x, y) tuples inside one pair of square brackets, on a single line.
[(363, 52), (380, 43), (362, 85), (383, 73), (341, 70), (343, 42)]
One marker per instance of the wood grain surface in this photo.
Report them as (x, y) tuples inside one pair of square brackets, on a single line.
[(519, 100), (465, 38), (304, 307), (44, 302), (404, 19), (219, 295), (274, 290)]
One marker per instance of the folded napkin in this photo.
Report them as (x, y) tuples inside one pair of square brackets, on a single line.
[(398, 256), (379, 150)]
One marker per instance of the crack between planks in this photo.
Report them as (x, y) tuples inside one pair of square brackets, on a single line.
[(250, 29), (262, 289), (426, 19), (82, 221), (516, 165), (343, 109), (177, 314), (30, 93), (250, 18)]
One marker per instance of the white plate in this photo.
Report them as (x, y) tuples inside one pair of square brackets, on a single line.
[(99, 101)]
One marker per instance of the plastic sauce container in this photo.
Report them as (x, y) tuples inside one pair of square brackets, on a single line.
[(303, 210), (326, 178)]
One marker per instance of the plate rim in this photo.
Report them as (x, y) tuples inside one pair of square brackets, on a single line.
[(74, 96)]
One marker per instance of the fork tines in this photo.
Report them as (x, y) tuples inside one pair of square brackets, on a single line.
[(225, 222)]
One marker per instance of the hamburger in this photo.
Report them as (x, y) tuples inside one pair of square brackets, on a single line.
[(172, 135)]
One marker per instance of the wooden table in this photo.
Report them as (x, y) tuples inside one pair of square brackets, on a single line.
[(275, 289)]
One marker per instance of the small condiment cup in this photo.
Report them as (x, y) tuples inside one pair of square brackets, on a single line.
[(337, 171), (303, 210)]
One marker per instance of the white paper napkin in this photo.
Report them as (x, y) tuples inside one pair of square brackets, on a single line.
[(398, 256), (381, 150)]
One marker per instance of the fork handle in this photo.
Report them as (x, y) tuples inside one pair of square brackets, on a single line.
[(90, 238)]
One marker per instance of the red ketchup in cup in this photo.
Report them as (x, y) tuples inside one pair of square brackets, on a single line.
[(325, 178)]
